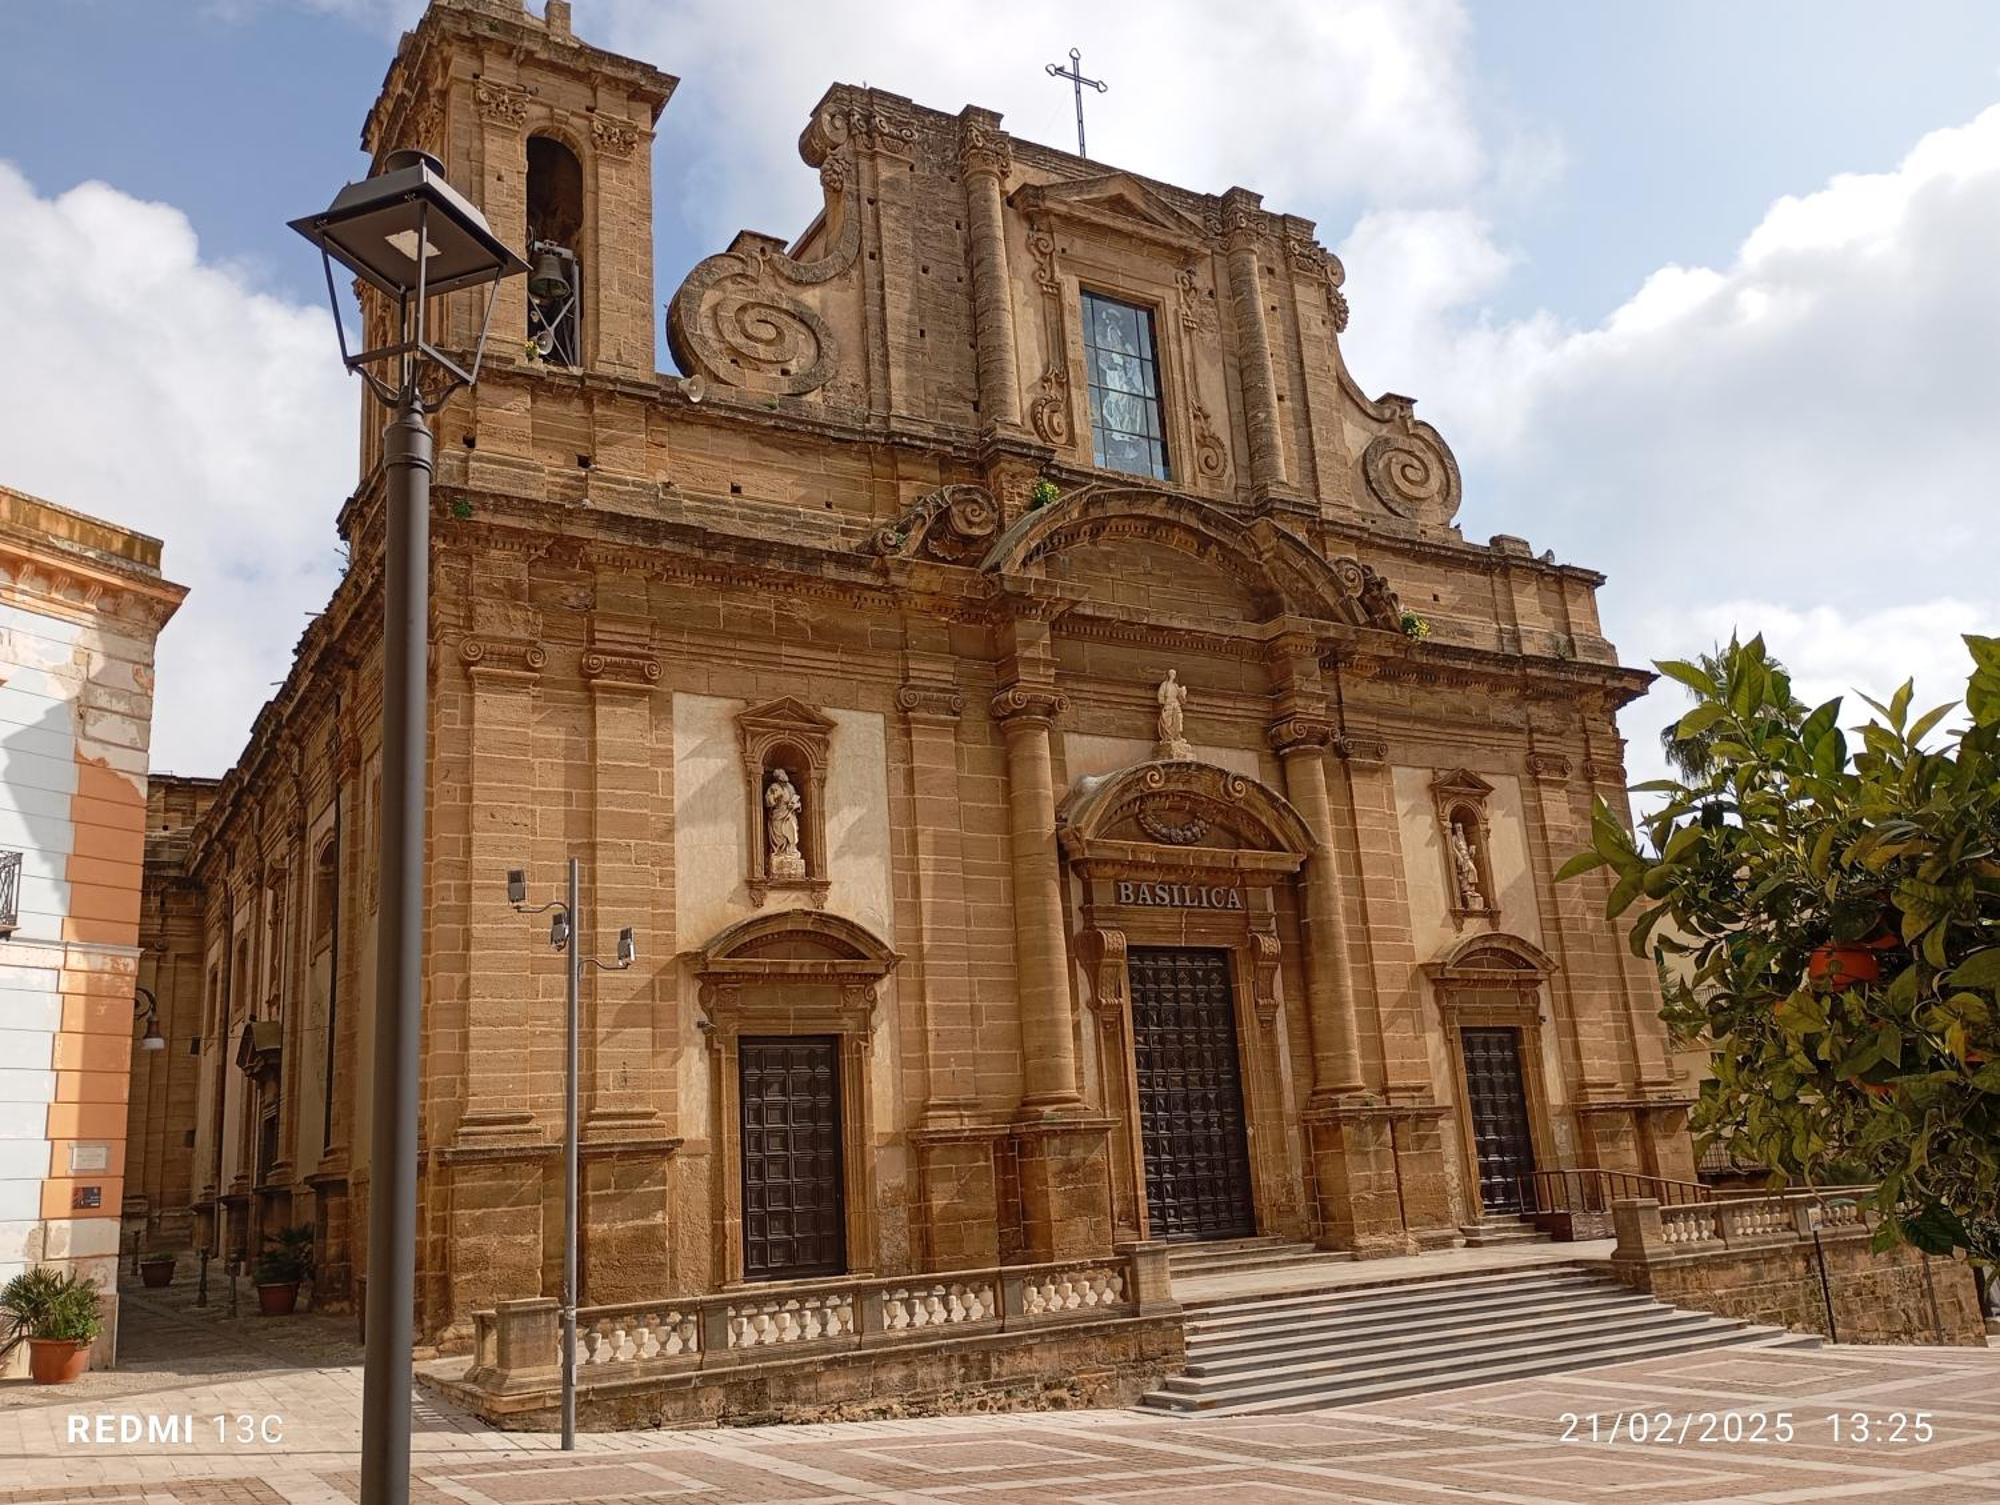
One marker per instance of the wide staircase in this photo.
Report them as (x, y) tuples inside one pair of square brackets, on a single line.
[(1356, 1343)]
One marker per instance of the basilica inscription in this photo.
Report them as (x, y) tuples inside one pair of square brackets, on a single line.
[(1179, 895)]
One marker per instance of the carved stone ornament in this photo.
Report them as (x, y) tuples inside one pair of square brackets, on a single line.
[(1024, 704), (948, 525), (743, 317), (1265, 951), (615, 138), (1410, 470), (1364, 747), (1313, 260), (502, 656), (936, 702), (501, 104), (606, 670), (782, 805), (1299, 731), (1211, 456), (1549, 767), (984, 149), (1183, 833)]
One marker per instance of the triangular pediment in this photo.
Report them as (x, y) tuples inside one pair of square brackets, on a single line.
[(1461, 781), (1116, 200), (787, 713)]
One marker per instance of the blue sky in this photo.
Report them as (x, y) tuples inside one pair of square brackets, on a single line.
[(1503, 181)]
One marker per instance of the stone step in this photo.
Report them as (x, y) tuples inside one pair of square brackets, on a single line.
[(1186, 1258), (1497, 1232), (1235, 1349), (1385, 1384), (1357, 1300), (1287, 1258), (1446, 1352), (1410, 1316)]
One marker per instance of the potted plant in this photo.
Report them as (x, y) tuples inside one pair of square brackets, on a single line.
[(59, 1316), (156, 1270), (283, 1266)]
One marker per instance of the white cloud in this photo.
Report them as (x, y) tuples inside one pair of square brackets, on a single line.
[(1802, 441), (1302, 100), (165, 392)]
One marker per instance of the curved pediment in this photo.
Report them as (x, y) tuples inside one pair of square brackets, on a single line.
[(1494, 959), (1281, 572), (802, 942), (1200, 809)]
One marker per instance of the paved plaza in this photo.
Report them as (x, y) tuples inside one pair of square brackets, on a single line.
[(1914, 1423)]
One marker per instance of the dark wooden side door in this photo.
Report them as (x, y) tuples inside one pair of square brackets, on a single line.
[(1190, 1094), (794, 1220), (1501, 1138)]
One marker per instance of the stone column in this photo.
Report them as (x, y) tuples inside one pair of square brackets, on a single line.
[(984, 161), (931, 710), (1241, 217), (1041, 957), (1301, 743)]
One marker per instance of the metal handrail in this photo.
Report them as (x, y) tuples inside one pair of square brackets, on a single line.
[(1591, 1189)]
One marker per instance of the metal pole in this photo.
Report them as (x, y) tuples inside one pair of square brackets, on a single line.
[(569, 1167), (392, 1212), (1825, 1286)]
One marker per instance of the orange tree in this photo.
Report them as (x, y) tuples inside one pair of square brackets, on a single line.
[(1828, 915)]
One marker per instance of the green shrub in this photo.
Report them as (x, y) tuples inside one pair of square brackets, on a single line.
[(46, 1303), (1043, 494), (288, 1259)]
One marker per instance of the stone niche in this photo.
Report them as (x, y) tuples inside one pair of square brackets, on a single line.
[(1465, 837), (786, 745)]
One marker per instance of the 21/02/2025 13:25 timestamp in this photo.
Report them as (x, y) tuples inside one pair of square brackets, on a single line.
[(1710, 1428)]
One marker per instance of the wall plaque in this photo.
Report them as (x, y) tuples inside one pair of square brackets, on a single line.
[(1178, 895), (89, 1157)]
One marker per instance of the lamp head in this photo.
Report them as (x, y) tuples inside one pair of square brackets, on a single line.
[(380, 227), (628, 949), (559, 929), (517, 886)]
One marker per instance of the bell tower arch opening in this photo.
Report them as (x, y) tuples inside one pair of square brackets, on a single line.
[(555, 251)]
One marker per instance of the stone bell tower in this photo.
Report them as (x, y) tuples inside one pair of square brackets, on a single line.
[(551, 138)]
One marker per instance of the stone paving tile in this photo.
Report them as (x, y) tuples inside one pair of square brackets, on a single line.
[(1497, 1443)]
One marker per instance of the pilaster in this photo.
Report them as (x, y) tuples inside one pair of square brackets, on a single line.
[(985, 159)]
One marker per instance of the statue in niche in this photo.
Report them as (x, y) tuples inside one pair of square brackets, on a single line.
[(781, 827), (1173, 739), (1466, 866)]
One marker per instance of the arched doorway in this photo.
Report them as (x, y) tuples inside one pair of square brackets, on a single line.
[(1489, 990), (788, 1003), (1181, 866)]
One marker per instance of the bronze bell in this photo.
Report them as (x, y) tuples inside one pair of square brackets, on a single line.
[(549, 282)]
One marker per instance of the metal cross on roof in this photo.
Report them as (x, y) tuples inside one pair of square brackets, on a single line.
[(1074, 73)]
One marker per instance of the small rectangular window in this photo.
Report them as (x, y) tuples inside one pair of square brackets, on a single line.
[(1124, 379)]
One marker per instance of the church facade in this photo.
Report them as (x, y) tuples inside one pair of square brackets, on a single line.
[(1069, 780)]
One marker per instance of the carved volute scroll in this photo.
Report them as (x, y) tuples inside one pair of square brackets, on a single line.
[(1409, 470), (746, 318), (787, 815), (1464, 832), (950, 525)]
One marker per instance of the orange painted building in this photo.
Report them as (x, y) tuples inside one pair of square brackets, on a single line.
[(82, 603)]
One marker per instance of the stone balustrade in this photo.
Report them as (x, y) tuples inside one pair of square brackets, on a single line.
[(516, 1345), (1800, 1259), (1646, 1230)]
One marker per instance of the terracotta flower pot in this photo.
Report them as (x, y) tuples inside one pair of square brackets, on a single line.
[(155, 1274), (56, 1361), (278, 1301)]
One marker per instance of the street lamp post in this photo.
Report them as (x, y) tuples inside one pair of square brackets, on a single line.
[(410, 235), (564, 932)]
